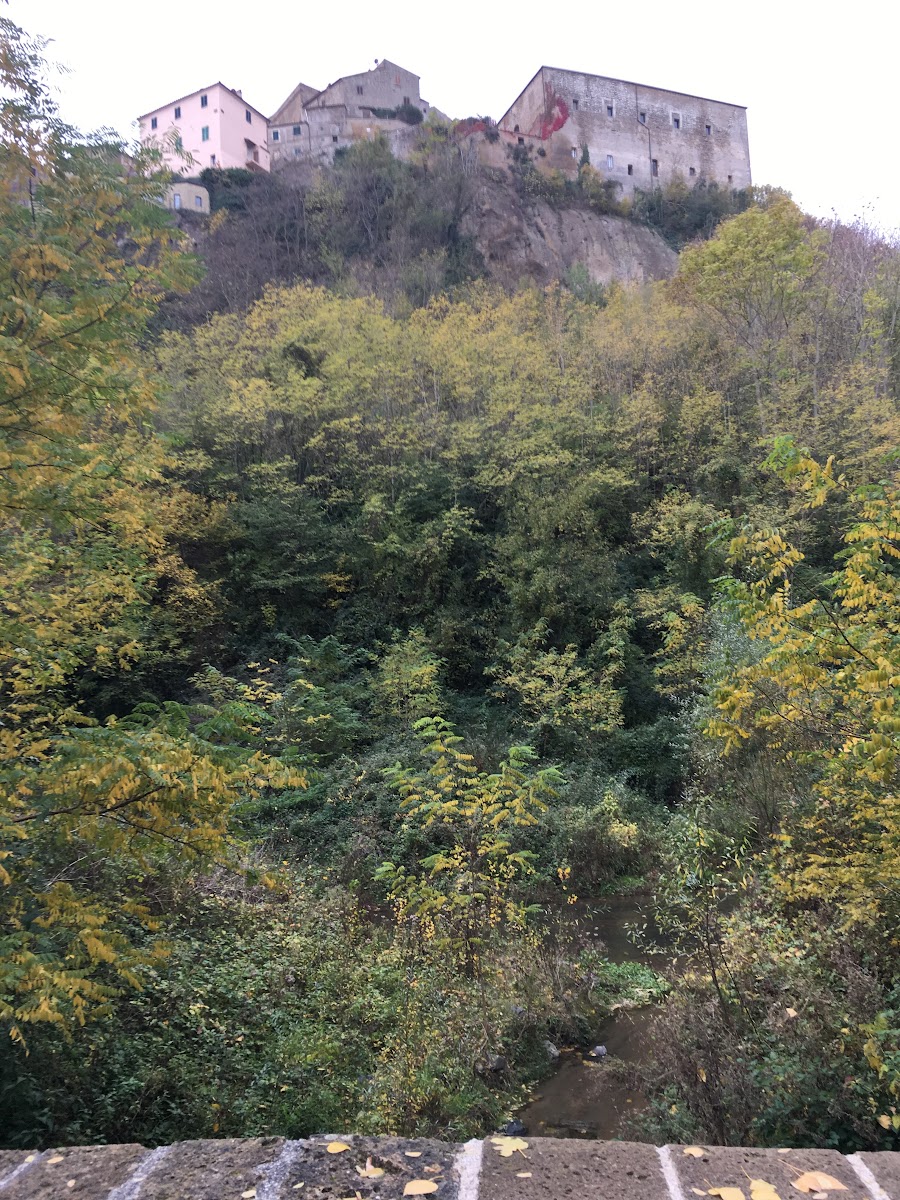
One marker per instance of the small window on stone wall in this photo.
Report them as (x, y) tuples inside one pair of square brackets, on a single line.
[(642, 117), (275, 135), (730, 179), (693, 171), (575, 103), (574, 152), (676, 120), (177, 112), (334, 137), (610, 109), (198, 202), (515, 129), (708, 130), (521, 141), (359, 90), (630, 168), (654, 167), (297, 131), (610, 162)]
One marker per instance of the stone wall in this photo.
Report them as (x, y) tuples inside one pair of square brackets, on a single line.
[(636, 135), (342, 113), (359, 1168)]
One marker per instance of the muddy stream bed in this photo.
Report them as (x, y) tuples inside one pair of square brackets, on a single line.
[(583, 1097)]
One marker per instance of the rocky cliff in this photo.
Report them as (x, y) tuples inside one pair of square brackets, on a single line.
[(531, 241)]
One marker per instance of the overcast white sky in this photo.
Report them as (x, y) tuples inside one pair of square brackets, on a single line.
[(820, 80)]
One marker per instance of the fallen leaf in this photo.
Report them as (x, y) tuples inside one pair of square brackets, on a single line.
[(884, 1121), (784, 1149), (413, 1153), (370, 1172), (58, 1157), (792, 1012), (432, 1170), (694, 1151), (698, 1191), (71, 1183), (701, 1074), (760, 1189), (818, 1181), (727, 1193), (508, 1145), (250, 1194), (31, 1158), (420, 1187), (523, 1174), (337, 1147), (298, 1185)]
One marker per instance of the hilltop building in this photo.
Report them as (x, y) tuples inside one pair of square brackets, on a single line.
[(215, 126), (635, 135), (187, 197), (313, 124)]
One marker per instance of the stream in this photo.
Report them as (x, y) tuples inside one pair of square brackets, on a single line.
[(583, 1098)]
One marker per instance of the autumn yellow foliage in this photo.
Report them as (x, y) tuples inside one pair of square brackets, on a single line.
[(823, 690), (87, 809)]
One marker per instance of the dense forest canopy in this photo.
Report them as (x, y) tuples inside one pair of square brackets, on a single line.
[(349, 640)]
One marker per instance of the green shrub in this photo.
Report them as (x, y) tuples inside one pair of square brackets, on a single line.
[(806, 1051)]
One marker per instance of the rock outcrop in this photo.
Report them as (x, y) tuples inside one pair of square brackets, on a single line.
[(532, 242)]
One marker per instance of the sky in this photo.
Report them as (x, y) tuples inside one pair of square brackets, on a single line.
[(819, 80)]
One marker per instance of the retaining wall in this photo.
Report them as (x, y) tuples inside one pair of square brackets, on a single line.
[(272, 1168)]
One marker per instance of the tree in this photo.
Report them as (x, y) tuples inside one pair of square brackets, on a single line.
[(556, 692), (758, 280), (464, 893), (90, 808), (823, 692), (407, 685)]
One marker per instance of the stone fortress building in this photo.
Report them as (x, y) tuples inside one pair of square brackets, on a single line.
[(313, 124), (637, 136)]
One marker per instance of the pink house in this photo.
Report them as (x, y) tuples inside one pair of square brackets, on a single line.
[(213, 127)]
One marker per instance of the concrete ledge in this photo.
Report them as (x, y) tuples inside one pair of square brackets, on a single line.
[(734, 1167), (272, 1168)]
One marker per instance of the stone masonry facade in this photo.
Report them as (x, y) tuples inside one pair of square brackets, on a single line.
[(313, 125), (637, 136), (359, 1168)]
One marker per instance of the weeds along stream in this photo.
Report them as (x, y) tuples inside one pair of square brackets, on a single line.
[(588, 1097)]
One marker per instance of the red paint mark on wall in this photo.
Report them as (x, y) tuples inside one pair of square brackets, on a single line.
[(556, 112)]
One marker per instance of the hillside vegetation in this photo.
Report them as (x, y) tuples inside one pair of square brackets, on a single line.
[(348, 640), (408, 231)]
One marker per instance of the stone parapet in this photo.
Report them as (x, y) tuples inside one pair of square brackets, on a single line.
[(360, 1168)]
